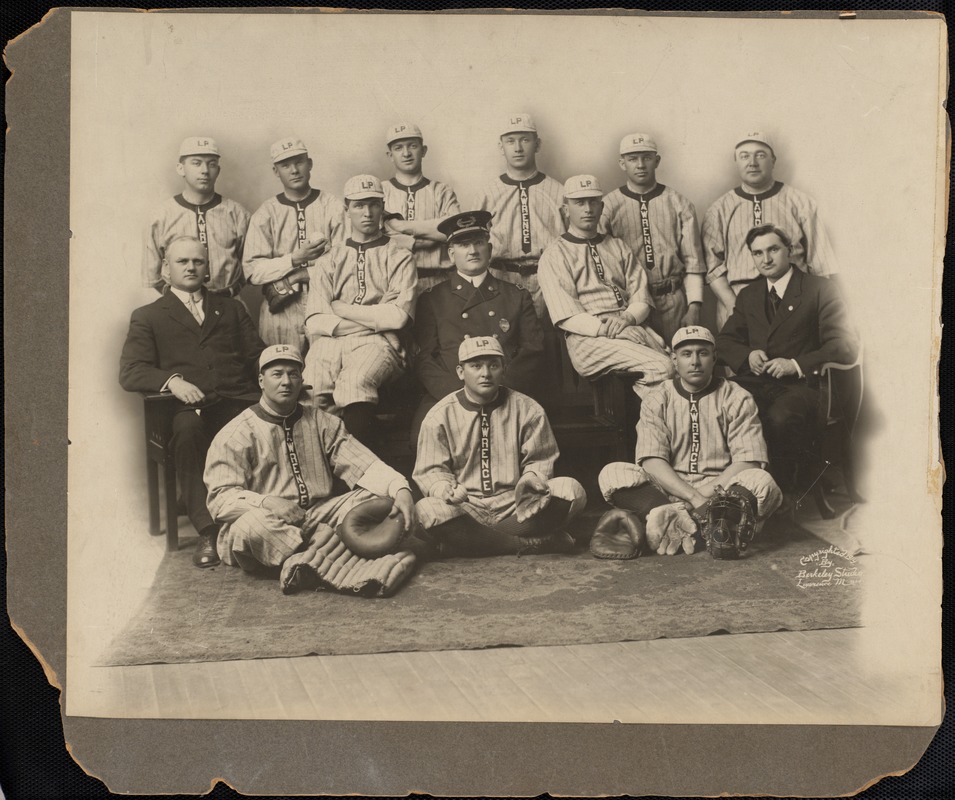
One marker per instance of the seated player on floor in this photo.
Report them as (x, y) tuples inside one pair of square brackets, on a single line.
[(269, 473), (485, 464), (698, 435)]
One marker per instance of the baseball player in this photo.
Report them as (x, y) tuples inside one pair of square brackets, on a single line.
[(286, 234), (696, 432), (473, 303), (414, 204), (270, 476), (596, 292), (525, 204), (485, 465), (362, 293), (760, 200), (659, 224), (218, 223)]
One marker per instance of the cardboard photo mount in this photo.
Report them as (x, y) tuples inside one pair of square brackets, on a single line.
[(328, 757)]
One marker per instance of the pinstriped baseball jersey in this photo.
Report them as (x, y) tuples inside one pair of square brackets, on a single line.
[(659, 226), (425, 200), (279, 225), (700, 433), (573, 281), (252, 458), (220, 225), (362, 273), (526, 214), (733, 215), (485, 448), (259, 455)]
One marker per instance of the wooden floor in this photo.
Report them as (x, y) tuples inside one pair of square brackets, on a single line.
[(782, 677)]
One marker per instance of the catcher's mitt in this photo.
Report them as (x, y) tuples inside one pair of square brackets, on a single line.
[(619, 535), (369, 532), (728, 521)]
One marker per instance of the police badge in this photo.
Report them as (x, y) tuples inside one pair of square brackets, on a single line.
[(505, 325)]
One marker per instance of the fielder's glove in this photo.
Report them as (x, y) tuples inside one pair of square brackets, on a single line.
[(671, 527)]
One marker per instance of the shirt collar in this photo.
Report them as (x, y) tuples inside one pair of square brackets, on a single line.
[(470, 405), (266, 413), (781, 284), (476, 280), (185, 296)]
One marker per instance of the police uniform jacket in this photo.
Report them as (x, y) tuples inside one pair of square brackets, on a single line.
[(455, 309)]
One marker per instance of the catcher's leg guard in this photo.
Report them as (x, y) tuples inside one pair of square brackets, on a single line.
[(619, 535)]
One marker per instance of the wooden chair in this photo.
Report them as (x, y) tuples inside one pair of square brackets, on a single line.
[(159, 410), (841, 388)]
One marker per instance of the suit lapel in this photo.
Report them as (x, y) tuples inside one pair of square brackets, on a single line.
[(213, 313), (177, 311)]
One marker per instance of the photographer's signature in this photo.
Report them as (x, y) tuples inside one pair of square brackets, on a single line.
[(829, 566)]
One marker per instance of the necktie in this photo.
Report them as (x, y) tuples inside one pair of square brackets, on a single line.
[(195, 307), (774, 301)]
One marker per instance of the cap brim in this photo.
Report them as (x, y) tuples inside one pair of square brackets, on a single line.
[(365, 196), (580, 195), (288, 155)]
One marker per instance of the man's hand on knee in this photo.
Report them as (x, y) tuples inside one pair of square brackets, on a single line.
[(531, 496), (286, 510), (188, 393)]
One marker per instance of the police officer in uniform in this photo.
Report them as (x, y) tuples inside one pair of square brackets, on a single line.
[(472, 302)]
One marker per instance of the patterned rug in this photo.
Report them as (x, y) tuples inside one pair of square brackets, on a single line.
[(221, 614)]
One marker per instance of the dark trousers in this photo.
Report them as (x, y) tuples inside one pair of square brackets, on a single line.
[(192, 433), (788, 411)]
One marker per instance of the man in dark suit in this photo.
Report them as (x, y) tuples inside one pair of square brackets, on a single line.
[(202, 348), (782, 330), (472, 302)]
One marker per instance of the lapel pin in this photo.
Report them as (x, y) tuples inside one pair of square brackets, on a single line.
[(790, 308)]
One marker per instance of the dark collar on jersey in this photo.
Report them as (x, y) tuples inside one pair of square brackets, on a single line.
[(569, 237), (656, 191), (381, 241), (776, 188), (313, 195), (413, 188), (216, 199), (714, 384), (265, 416), (538, 178), (497, 402)]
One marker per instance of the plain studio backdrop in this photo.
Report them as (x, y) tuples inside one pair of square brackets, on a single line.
[(853, 108)]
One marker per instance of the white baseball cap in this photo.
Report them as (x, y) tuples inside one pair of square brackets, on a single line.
[(286, 148), (198, 146), (692, 333), (403, 130), (363, 186), (582, 186), (518, 122), (637, 143), (280, 352), (476, 346), (755, 136)]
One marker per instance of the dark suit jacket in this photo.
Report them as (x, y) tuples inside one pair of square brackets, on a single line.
[(454, 309), (811, 326), (165, 339)]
